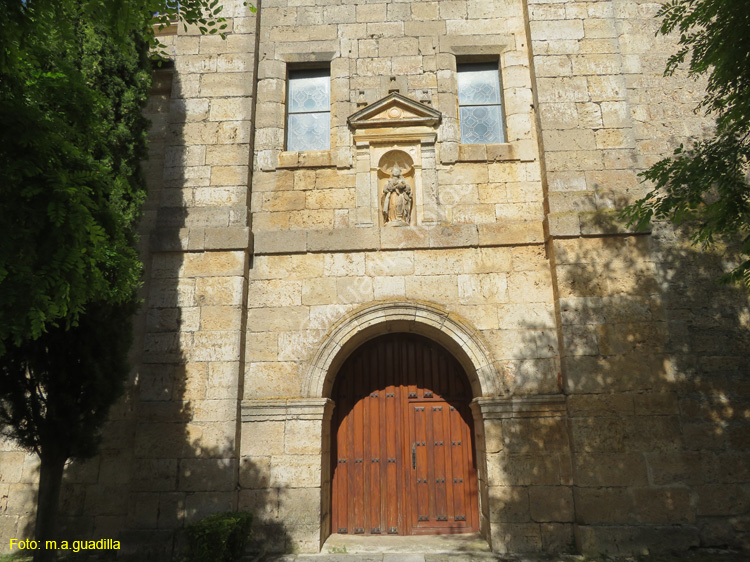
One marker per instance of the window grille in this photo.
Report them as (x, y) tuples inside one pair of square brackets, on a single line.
[(308, 110), (480, 103)]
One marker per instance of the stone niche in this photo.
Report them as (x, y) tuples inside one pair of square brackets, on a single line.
[(395, 163)]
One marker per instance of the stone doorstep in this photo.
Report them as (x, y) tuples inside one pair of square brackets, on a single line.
[(358, 544)]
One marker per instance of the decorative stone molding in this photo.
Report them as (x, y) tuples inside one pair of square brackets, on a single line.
[(395, 128), (545, 406), (428, 319), (313, 409)]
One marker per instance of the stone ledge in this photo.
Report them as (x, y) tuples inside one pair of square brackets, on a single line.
[(499, 152), (280, 242), (343, 239), (199, 238), (397, 238), (286, 409), (597, 223), (595, 539), (311, 159), (543, 406)]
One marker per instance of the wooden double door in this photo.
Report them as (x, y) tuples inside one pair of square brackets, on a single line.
[(403, 460)]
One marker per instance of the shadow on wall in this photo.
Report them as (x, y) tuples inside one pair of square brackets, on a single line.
[(169, 455), (655, 369)]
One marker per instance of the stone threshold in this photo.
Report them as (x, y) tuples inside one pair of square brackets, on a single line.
[(435, 544)]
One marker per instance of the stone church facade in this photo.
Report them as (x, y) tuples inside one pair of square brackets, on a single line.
[(361, 209)]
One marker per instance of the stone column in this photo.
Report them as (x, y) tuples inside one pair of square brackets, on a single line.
[(364, 189), (528, 472), (428, 214), (284, 469)]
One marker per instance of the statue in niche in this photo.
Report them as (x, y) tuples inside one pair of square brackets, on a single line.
[(397, 200)]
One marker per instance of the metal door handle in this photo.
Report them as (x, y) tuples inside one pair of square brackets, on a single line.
[(414, 456)]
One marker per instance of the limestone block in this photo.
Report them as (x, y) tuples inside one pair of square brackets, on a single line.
[(218, 290), (343, 239), (604, 505), (222, 380), (529, 286), (437, 288), (734, 467), (354, 289), (277, 318), (598, 435), (664, 505), (234, 43), (226, 84), (374, 66), (254, 474), (548, 30), (295, 471), (389, 288), (191, 110), (297, 346), (202, 504), (483, 288), (12, 463), (227, 238), (437, 262), (312, 219), (653, 433), (212, 264), (454, 236), (526, 316), (505, 234), (389, 263), (339, 265), (606, 88), (274, 293), (582, 405), (221, 410), (318, 291), (262, 438), (279, 242), (720, 500), (525, 470), (551, 503), (516, 537), (233, 132), (272, 379), (339, 14), (610, 469), (637, 540), (302, 437), (509, 504), (300, 506), (678, 468), (198, 133), (197, 475), (401, 46)]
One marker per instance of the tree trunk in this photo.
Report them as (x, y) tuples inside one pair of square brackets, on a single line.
[(50, 482)]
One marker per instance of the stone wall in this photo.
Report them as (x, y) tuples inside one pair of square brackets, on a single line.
[(608, 369), (652, 350)]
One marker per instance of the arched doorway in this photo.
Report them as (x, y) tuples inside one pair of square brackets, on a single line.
[(403, 459)]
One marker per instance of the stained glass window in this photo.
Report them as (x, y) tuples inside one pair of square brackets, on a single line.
[(480, 104), (308, 124)]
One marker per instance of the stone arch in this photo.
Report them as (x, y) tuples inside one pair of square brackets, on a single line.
[(428, 319)]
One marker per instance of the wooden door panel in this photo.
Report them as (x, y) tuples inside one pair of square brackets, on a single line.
[(402, 460)]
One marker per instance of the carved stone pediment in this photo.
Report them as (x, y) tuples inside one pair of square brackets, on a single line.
[(394, 110)]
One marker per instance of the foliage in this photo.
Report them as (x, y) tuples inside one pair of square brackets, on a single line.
[(220, 537), (70, 148), (74, 78), (71, 141), (57, 389), (708, 184)]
